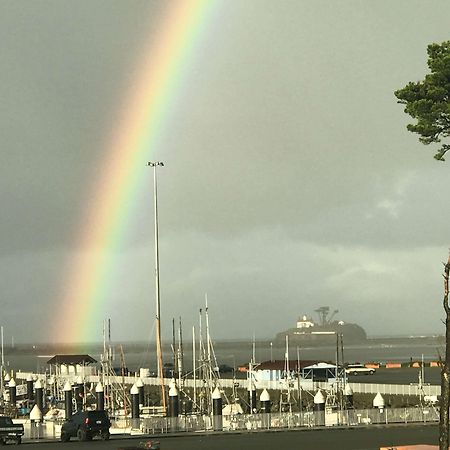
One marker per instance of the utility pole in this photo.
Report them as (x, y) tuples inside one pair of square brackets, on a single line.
[(445, 368), (159, 354)]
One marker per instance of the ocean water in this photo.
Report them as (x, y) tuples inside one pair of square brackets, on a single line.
[(235, 353)]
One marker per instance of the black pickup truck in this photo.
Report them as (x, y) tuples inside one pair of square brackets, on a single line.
[(85, 425), (10, 431)]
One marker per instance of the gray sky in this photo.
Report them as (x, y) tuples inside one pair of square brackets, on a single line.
[(290, 181)]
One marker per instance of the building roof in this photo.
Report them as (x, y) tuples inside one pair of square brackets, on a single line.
[(279, 364), (321, 365), (71, 359)]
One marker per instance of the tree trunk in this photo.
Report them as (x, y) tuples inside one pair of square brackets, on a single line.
[(445, 370)]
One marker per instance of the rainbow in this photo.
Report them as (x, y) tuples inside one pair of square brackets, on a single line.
[(134, 140)]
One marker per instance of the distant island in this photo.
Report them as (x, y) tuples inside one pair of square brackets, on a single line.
[(308, 332)]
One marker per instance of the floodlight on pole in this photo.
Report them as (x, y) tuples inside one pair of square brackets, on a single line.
[(157, 286)]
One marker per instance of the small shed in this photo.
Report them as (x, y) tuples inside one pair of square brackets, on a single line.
[(279, 369), (72, 364), (321, 371)]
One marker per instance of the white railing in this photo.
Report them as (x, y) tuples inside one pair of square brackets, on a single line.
[(395, 389), (310, 419), (248, 422), (309, 385)]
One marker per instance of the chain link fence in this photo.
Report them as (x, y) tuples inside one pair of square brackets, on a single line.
[(239, 422)]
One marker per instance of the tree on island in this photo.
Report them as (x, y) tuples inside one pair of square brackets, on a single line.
[(428, 101)]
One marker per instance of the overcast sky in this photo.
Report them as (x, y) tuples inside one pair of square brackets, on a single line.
[(290, 180)]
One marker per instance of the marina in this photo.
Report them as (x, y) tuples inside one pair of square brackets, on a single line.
[(404, 391), (200, 386)]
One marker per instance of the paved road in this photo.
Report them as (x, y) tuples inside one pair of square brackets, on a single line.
[(404, 375), (369, 438)]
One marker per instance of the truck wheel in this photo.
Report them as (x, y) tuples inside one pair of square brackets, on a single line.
[(81, 435), (2, 442), (105, 436), (371, 372), (65, 437), (18, 440)]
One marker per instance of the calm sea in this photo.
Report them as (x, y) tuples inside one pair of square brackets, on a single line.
[(234, 354)]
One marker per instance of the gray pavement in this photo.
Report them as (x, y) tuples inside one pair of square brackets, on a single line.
[(367, 438), (405, 375)]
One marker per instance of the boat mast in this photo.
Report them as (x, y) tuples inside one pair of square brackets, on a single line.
[(194, 368), (2, 366), (110, 349), (174, 351), (122, 370), (3, 352), (207, 330), (180, 356), (299, 386), (254, 349), (104, 364), (285, 397), (201, 357), (209, 367), (159, 355)]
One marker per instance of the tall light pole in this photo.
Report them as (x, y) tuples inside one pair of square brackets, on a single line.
[(157, 288)]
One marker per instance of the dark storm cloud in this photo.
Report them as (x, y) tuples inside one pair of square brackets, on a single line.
[(64, 67), (290, 178)]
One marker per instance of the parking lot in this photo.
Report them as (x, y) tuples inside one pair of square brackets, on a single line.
[(404, 375)]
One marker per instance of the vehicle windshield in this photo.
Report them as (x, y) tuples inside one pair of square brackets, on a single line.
[(97, 415), (4, 421)]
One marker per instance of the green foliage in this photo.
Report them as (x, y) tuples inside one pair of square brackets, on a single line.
[(428, 101)]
